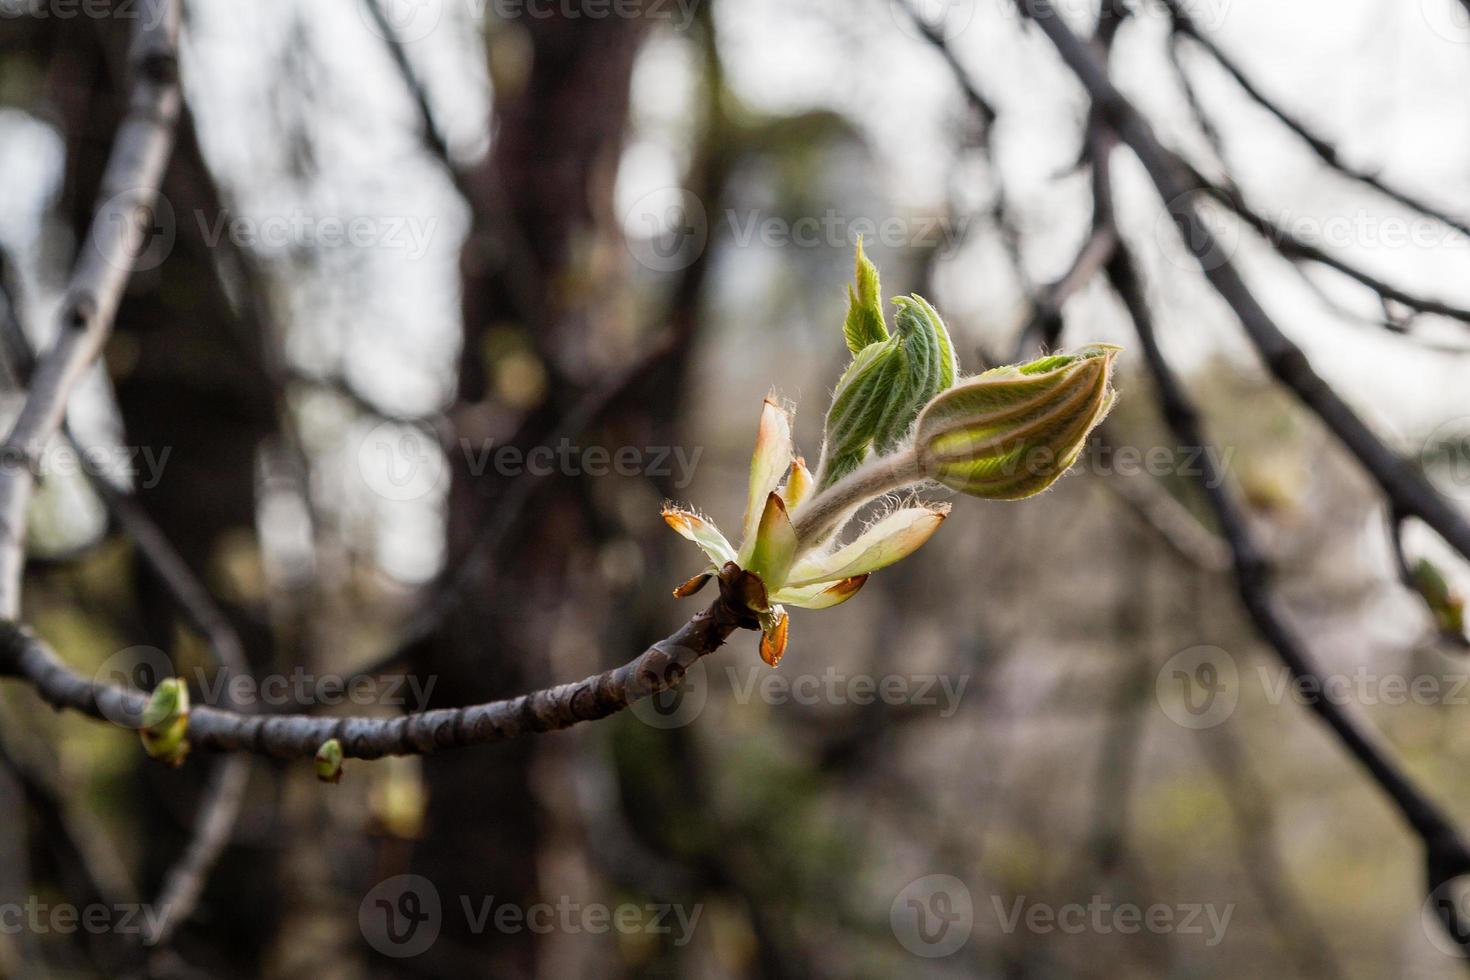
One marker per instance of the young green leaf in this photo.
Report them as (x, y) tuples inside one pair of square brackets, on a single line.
[(885, 387), (864, 324)]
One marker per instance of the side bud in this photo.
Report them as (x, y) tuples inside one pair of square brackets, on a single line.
[(328, 761), (1447, 605), (1013, 431), (165, 721)]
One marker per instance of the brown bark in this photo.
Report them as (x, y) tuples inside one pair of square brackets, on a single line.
[(557, 142)]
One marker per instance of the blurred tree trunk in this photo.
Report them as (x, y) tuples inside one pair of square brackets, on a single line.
[(528, 273)]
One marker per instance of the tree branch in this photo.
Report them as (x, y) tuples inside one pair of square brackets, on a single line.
[(1446, 854), (658, 668), (1325, 150), (129, 189), (1296, 249), (1400, 481)]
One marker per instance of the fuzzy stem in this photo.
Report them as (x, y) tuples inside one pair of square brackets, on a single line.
[(824, 513)]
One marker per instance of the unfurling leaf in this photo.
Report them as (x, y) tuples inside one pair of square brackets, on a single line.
[(823, 595), (1013, 431), (885, 387), (864, 324), (891, 539), (770, 553), (695, 528), (769, 462)]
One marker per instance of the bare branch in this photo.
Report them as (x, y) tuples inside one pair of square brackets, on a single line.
[(220, 806), (1325, 150), (1046, 318), (1445, 851), (1400, 481), (213, 826), (1161, 513), (1297, 249), (658, 668), (129, 189)]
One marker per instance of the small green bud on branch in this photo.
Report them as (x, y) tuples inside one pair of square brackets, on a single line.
[(328, 761), (165, 721), (1446, 605)]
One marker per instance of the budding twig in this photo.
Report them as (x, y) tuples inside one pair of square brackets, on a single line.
[(661, 666), (825, 512)]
